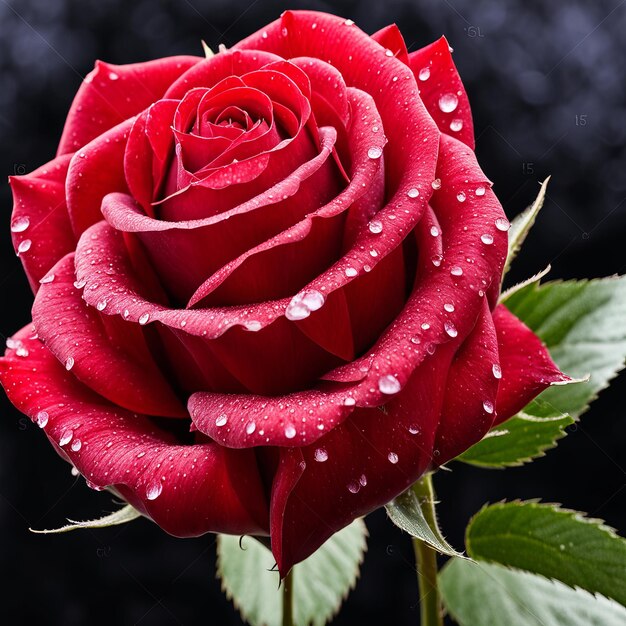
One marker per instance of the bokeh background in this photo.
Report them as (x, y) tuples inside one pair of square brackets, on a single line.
[(548, 88)]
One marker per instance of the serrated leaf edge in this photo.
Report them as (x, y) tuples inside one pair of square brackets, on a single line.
[(122, 516)]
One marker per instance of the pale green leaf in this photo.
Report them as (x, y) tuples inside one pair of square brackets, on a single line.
[(406, 513), (482, 594), (121, 516), (556, 543), (321, 582), (522, 224), (516, 441)]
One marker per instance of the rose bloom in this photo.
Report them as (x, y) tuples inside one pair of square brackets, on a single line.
[(266, 283)]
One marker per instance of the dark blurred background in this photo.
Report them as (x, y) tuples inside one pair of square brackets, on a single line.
[(548, 88)]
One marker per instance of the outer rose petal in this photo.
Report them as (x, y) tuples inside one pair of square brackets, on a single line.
[(40, 217), (187, 489), (443, 80), (108, 355), (527, 368), (111, 94)]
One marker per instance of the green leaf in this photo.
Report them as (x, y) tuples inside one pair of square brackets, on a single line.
[(406, 513), (520, 439), (556, 543), (480, 594), (522, 224), (583, 324), (121, 516), (505, 295), (321, 582)]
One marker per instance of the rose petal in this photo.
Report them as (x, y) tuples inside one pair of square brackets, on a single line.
[(187, 489), (103, 99), (40, 226), (526, 366), (111, 359), (441, 89)]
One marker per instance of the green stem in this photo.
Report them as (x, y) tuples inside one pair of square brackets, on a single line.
[(426, 558), (288, 599)]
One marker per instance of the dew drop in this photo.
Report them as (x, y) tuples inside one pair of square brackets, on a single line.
[(221, 419), (79, 284), (321, 455), (154, 490), (376, 227), (434, 231), (425, 326), (414, 192), (448, 307), (349, 22), (388, 384), (77, 444), (388, 53), (351, 272), (101, 305), (354, 486), (456, 125), (24, 246), (487, 239), (436, 184), (290, 431), (502, 224), (253, 326), (424, 73), (414, 429), (20, 224), (303, 303), (349, 401), (69, 363), (66, 437), (47, 279), (460, 196), (363, 480), (448, 102), (143, 319), (250, 428), (375, 152), (436, 259), (113, 76), (392, 457), (488, 406), (456, 270), (450, 328), (480, 191), (42, 419), (497, 371)]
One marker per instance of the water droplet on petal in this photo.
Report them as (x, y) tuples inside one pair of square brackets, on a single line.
[(154, 490), (20, 224), (250, 428), (488, 406), (497, 371), (414, 429), (354, 486), (47, 279), (487, 239), (376, 227), (101, 305), (113, 76), (424, 73), (69, 363), (460, 196), (448, 102), (436, 184), (349, 22), (221, 419), (66, 437), (290, 431), (42, 419), (450, 328), (425, 326), (253, 326), (351, 272), (436, 259), (502, 224), (24, 246), (456, 125), (388, 53), (434, 231), (388, 384), (392, 457), (480, 191), (77, 444), (455, 270), (321, 455), (375, 152), (349, 401), (303, 303), (414, 192), (143, 319), (448, 307)]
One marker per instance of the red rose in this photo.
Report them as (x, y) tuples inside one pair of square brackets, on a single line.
[(266, 283)]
